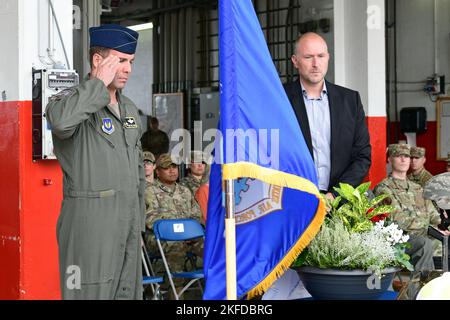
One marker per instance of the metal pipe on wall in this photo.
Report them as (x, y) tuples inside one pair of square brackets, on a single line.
[(174, 51), (396, 74), (162, 75), (269, 23), (162, 78), (207, 47), (181, 48), (275, 34), (166, 45), (189, 36), (156, 56), (388, 71), (435, 37)]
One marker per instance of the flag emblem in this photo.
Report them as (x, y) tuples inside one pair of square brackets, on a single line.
[(255, 199)]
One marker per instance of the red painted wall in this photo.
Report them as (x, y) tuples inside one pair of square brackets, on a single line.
[(35, 275), (10, 239), (377, 131), (428, 140)]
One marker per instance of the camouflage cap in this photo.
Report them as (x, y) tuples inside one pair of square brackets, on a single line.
[(395, 150), (438, 190), (417, 152), (165, 160), (149, 156)]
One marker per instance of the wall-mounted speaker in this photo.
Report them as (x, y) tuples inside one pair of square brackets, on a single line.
[(413, 119)]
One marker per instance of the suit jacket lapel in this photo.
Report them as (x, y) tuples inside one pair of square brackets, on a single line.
[(302, 117)]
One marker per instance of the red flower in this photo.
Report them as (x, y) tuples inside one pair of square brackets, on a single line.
[(379, 217)]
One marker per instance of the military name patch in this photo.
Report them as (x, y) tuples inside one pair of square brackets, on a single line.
[(107, 125), (130, 123)]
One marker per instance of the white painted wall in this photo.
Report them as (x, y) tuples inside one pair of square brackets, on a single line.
[(376, 58), (350, 45), (9, 58), (360, 51), (24, 25), (415, 52)]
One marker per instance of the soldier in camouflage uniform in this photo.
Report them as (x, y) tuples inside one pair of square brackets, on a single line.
[(418, 173), (413, 213), (169, 200), (149, 167), (198, 173)]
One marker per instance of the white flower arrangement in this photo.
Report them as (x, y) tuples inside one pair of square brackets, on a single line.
[(392, 233)]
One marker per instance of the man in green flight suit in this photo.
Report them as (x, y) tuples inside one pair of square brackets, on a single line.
[(96, 135)]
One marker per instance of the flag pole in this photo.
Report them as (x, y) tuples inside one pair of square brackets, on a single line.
[(230, 241)]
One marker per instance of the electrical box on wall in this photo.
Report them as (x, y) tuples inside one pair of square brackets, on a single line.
[(435, 85), (206, 112), (46, 83)]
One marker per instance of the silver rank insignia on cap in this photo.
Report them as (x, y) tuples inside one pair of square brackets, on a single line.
[(107, 125), (130, 123)]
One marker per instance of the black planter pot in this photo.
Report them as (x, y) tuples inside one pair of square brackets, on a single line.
[(334, 284)]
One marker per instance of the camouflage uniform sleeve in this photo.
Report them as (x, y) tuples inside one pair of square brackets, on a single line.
[(205, 178), (399, 216), (435, 218), (194, 211), (68, 109), (148, 197), (427, 176), (152, 205), (183, 182)]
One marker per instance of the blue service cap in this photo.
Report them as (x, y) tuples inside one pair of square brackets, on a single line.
[(114, 36)]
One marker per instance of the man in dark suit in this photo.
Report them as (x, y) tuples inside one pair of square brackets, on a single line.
[(331, 118)]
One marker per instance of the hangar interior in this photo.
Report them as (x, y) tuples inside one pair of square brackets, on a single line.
[(396, 53)]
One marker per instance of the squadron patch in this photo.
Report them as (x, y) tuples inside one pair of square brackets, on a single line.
[(107, 126), (130, 123)]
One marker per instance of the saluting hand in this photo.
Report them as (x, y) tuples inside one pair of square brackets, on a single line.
[(106, 70)]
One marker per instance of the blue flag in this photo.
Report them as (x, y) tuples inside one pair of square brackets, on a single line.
[(278, 207)]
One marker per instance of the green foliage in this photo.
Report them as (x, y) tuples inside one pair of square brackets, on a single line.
[(354, 209), (401, 256)]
